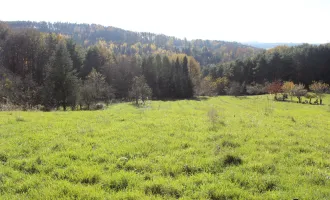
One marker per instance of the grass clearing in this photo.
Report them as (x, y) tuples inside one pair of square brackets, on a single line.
[(216, 148)]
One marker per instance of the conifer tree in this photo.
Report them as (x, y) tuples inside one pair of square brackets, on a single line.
[(63, 84)]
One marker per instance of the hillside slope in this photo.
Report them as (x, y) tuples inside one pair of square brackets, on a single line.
[(206, 52)]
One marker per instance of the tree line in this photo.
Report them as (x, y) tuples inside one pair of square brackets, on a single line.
[(206, 52), (300, 64), (52, 70)]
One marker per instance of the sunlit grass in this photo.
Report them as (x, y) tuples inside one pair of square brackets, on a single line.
[(219, 148)]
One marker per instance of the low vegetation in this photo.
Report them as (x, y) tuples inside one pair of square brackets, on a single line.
[(215, 148)]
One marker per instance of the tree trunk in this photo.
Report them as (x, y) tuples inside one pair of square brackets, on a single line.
[(64, 106), (320, 101)]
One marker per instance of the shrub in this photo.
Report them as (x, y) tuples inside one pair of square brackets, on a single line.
[(207, 87), (100, 106), (299, 91), (310, 96), (287, 88), (234, 89), (255, 89), (319, 88)]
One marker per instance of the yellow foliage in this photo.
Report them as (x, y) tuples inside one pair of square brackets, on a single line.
[(288, 86)]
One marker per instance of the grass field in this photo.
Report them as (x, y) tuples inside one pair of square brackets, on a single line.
[(255, 149)]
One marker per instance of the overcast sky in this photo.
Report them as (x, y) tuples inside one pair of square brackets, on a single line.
[(231, 20)]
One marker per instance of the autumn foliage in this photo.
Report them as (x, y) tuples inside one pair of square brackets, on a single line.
[(274, 88), (319, 88)]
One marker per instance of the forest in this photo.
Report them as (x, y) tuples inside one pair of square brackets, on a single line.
[(64, 65)]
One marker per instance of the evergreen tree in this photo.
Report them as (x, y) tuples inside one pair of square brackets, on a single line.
[(187, 84), (62, 79), (150, 73), (77, 55), (178, 82), (165, 78)]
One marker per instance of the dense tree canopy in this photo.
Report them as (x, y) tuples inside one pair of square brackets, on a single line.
[(59, 70), (206, 52), (300, 64)]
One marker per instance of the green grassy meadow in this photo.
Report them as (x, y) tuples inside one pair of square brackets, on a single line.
[(255, 149)]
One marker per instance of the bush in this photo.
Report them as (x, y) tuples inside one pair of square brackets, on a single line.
[(207, 87), (255, 89), (310, 96), (299, 91), (234, 89), (100, 106)]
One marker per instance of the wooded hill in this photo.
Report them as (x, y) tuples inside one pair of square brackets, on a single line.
[(206, 52)]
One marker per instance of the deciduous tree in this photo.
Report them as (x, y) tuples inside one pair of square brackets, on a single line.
[(319, 88)]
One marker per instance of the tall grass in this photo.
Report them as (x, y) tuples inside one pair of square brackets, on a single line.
[(219, 148)]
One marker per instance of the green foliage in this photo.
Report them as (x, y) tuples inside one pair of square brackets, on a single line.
[(140, 90), (95, 89), (299, 91), (34, 70), (299, 64), (62, 83)]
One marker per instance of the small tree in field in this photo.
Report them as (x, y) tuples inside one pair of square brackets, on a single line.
[(95, 88), (319, 88), (299, 91), (140, 89), (287, 88), (274, 88), (310, 96)]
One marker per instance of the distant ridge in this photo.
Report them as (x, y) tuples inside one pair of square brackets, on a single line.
[(271, 45), (206, 52)]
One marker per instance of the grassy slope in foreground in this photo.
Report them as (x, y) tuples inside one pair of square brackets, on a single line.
[(259, 149)]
